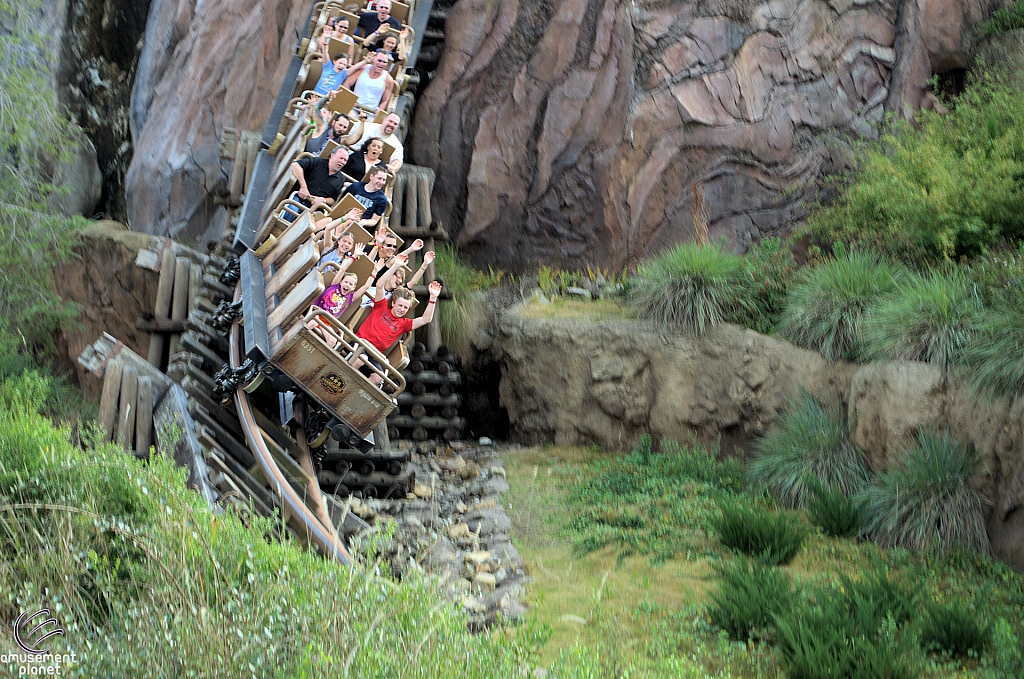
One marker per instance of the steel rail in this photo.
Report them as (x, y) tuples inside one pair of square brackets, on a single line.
[(302, 515)]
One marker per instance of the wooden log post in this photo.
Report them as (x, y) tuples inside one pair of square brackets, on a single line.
[(179, 303), (144, 415), (433, 329), (108, 400), (195, 285), (410, 207), (126, 415), (162, 307), (398, 196), (423, 216)]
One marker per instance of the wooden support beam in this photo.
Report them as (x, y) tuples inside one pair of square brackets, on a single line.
[(164, 325), (144, 415), (108, 399), (126, 415), (162, 307), (179, 303)]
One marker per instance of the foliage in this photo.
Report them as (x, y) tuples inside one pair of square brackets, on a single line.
[(925, 500), (772, 266), (948, 189), (648, 503), (37, 138), (838, 514), (955, 629), (126, 558), (465, 311), (827, 302), (693, 287), (931, 317), (996, 356), (998, 276), (1009, 18), (772, 537), (596, 280), (810, 440), (750, 597)]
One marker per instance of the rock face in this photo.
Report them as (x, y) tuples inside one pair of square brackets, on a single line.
[(578, 382), (204, 66), (573, 131)]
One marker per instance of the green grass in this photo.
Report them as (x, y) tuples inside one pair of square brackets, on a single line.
[(771, 537), (144, 580), (932, 317), (995, 359), (692, 287), (750, 597), (1005, 19), (810, 440), (838, 514), (461, 315), (826, 304), (925, 500), (955, 629), (772, 268), (649, 503)]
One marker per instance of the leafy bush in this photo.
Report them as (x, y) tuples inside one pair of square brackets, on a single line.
[(946, 190), (925, 500), (996, 356), (809, 441), (827, 302), (750, 596), (693, 287), (954, 629), (772, 266), (931, 317), (773, 538), (839, 515), (1005, 19)]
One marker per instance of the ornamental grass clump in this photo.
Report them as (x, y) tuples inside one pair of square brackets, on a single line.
[(693, 287), (826, 304), (811, 440), (931, 317), (925, 500), (996, 357), (838, 514), (750, 596), (771, 537), (955, 629)]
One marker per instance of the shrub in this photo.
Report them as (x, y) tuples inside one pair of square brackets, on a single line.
[(464, 312), (692, 287), (772, 266), (954, 629), (838, 514), (946, 189), (1005, 19), (925, 500), (750, 596), (931, 318), (809, 441), (773, 538), (826, 304), (996, 357)]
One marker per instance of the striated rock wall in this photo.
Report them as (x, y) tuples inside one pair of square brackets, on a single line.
[(570, 131), (607, 382), (204, 66)]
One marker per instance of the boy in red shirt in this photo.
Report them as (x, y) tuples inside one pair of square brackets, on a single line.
[(385, 325)]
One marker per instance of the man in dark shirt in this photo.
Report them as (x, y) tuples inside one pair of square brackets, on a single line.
[(370, 195), (369, 22), (320, 179)]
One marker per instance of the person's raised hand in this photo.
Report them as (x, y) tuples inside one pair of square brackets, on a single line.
[(435, 289), (379, 237), (353, 214), (403, 259), (428, 256), (416, 245)]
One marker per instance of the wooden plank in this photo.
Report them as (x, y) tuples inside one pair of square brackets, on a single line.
[(162, 306), (398, 195), (126, 415), (297, 266), (411, 205), (159, 325), (195, 284), (108, 400), (179, 301), (144, 415), (423, 216), (297, 301)]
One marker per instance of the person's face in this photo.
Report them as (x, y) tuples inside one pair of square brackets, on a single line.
[(375, 148), (400, 308), (388, 248), (390, 124), (341, 63), (346, 243), (341, 126), (380, 61), (348, 284), (396, 280), (338, 159), (390, 43), (377, 180), (341, 26), (383, 10)]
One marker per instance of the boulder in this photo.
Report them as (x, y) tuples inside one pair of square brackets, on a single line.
[(205, 66), (575, 130), (79, 182)]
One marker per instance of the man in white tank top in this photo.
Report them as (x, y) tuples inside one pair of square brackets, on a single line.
[(372, 83)]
